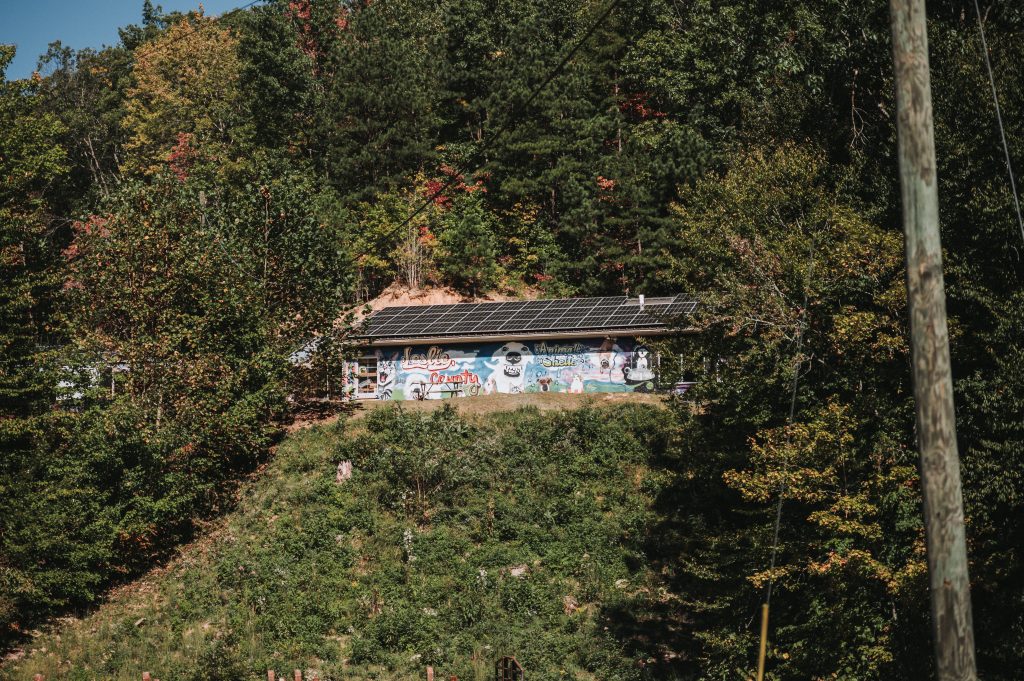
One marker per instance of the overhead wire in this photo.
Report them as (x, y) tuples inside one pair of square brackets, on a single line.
[(506, 126), (999, 118), (457, 173), (220, 17), (785, 469)]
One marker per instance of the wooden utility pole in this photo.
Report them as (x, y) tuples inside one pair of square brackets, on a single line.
[(952, 628)]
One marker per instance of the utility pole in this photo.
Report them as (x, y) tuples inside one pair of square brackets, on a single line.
[(952, 628)]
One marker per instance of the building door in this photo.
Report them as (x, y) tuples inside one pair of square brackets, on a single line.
[(366, 377)]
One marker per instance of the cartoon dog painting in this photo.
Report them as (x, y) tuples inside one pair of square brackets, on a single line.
[(610, 361), (640, 371), (509, 364)]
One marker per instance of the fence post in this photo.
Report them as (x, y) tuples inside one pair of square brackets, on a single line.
[(271, 676), (430, 674), (146, 676), (39, 677), (298, 675)]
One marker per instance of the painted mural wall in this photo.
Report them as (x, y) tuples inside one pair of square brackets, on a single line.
[(576, 366)]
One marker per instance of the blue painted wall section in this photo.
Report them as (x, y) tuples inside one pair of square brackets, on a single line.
[(511, 367)]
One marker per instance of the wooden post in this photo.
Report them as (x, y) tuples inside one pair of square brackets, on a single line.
[(430, 674), (145, 676), (38, 677), (952, 628), (271, 676), (298, 675)]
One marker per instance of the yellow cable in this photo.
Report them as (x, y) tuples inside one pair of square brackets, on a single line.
[(764, 642)]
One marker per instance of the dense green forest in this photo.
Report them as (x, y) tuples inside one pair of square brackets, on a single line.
[(181, 211)]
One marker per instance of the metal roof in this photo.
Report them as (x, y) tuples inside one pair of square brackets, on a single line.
[(533, 317)]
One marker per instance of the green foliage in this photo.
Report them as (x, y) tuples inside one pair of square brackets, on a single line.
[(454, 542), (184, 302), (781, 257), (30, 159), (93, 135), (381, 113), (186, 87), (211, 192), (467, 247)]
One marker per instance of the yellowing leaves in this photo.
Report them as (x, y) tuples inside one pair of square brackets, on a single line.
[(805, 457), (186, 81)]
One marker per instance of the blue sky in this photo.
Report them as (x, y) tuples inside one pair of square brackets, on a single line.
[(34, 24)]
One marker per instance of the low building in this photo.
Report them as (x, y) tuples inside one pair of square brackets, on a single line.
[(573, 345)]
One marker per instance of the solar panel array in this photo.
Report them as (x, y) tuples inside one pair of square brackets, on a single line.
[(526, 316)]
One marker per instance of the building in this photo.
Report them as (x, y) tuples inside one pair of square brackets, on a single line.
[(572, 345)]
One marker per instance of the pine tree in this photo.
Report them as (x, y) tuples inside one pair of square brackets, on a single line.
[(381, 116)]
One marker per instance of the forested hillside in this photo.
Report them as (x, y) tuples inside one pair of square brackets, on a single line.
[(181, 211)]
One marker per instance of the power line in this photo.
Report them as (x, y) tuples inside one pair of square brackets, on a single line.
[(999, 118), (785, 470), (789, 422), (513, 114), (144, 54), (506, 126)]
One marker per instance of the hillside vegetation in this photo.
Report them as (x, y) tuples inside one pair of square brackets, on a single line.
[(456, 540), (181, 211)]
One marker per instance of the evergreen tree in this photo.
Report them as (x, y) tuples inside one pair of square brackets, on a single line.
[(468, 251), (30, 159), (382, 113)]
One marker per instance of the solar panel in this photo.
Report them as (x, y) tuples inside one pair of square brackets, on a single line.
[(564, 314)]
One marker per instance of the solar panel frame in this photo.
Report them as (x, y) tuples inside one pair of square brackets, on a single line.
[(508, 317)]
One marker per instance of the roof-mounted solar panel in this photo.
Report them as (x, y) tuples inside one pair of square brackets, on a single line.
[(607, 314)]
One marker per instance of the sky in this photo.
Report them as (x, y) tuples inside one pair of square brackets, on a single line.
[(33, 24)]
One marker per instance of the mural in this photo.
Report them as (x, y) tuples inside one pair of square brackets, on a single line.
[(588, 366)]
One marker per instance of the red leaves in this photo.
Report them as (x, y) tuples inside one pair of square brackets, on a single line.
[(638, 105), (310, 36), (432, 187), (300, 9), (93, 226), (426, 237), (182, 156)]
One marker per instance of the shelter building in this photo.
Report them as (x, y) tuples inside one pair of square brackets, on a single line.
[(573, 345)]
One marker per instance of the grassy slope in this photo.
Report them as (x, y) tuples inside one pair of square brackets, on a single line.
[(409, 563)]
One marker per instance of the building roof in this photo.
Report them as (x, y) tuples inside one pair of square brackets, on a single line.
[(559, 318)]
